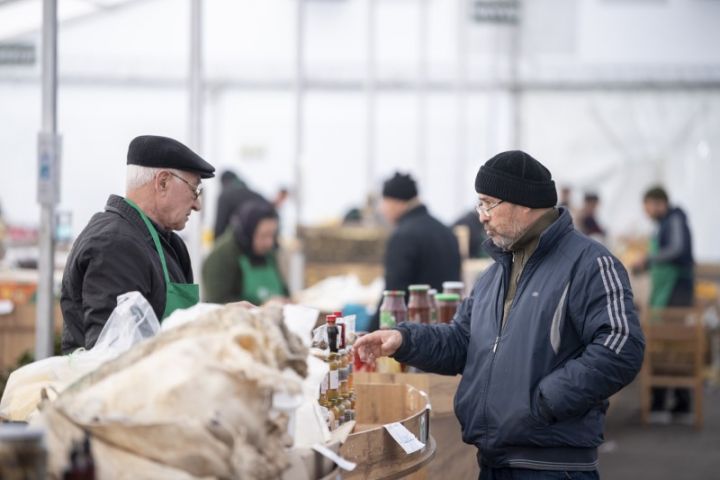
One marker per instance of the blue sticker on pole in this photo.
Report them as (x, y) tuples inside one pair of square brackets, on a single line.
[(48, 192)]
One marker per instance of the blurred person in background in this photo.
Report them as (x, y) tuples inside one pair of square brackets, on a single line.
[(234, 192), (537, 343), (420, 250), (566, 198), (131, 246), (242, 264), (671, 266), (367, 215), (587, 223)]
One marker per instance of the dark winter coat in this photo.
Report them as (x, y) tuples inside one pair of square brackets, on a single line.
[(534, 392)]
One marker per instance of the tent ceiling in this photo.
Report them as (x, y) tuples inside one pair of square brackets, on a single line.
[(21, 18)]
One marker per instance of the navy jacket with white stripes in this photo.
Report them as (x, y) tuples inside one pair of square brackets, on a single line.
[(534, 394)]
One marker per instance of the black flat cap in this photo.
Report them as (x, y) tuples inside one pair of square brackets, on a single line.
[(162, 152)]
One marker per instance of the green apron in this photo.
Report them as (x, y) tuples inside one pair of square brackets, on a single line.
[(177, 295), (260, 283), (663, 277)]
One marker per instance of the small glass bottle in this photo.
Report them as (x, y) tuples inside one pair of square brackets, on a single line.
[(419, 304), (342, 339), (340, 404), (334, 374), (342, 374)]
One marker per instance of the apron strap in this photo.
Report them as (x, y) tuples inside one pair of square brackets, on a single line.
[(154, 235)]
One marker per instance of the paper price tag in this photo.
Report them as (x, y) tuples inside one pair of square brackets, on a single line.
[(404, 437), (339, 461)]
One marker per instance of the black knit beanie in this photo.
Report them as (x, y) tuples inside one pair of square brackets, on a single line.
[(401, 187), (518, 178)]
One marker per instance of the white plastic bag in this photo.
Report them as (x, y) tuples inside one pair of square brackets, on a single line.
[(132, 321)]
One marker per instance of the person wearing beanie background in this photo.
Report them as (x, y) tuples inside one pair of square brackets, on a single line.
[(242, 264), (420, 250), (547, 335), (131, 245)]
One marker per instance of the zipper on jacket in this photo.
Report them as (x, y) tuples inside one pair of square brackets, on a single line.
[(506, 279), (506, 320)]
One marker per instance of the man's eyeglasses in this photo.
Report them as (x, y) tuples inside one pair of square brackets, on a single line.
[(197, 191), (481, 208)]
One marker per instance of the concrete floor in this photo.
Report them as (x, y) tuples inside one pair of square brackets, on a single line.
[(660, 452)]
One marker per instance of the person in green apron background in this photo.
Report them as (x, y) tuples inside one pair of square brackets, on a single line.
[(242, 264), (131, 245), (671, 267)]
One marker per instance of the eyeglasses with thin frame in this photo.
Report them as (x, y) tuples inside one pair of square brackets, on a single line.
[(481, 208), (197, 191)]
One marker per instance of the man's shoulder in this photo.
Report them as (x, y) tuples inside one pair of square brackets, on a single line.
[(587, 254), (421, 221), (108, 230)]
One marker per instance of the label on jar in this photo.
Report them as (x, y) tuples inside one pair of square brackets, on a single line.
[(387, 319), (334, 380), (324, 384)]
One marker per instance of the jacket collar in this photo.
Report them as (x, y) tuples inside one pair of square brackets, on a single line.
[(413, 212), (548, 238), (117, 204)]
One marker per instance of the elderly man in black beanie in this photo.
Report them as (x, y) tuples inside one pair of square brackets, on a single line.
[(548, 334), (421, 250), (131, 245)]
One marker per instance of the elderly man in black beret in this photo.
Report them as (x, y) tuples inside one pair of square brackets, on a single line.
[(131, 245), (421, 250)]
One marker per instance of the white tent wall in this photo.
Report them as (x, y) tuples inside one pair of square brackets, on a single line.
[(620, 144), (122, 73)]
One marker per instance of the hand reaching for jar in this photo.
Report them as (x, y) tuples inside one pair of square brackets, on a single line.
[(381, 343)]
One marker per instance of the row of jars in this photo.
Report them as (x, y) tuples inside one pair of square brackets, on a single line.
[(425, 305)]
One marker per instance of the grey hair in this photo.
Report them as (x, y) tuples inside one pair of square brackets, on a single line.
[(137, 175)]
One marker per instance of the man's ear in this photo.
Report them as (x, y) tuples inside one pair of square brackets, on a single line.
[(161, 181)]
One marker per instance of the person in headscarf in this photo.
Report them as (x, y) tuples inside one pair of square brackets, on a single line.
[(242, 264)]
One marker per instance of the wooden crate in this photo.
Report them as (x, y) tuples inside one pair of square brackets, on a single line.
[(454, 458), (366, 272), (377, 454), (337, 244)]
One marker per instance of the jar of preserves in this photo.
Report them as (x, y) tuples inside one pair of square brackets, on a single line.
[(393, 309), (419, 304), (454, 287), (447, 305)]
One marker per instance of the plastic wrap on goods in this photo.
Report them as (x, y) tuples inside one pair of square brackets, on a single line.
[(193, 402), (131, 322)]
